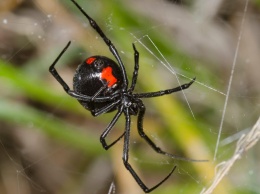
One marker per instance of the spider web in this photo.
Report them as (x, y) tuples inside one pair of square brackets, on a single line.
[(34, 160)]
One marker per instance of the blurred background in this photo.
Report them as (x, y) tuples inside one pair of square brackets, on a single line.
[(50, 144)]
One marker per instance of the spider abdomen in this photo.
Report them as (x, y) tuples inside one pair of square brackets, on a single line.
[(94, 73)]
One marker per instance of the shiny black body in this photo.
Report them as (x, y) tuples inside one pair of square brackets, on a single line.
[(109, 91), (87, 81)]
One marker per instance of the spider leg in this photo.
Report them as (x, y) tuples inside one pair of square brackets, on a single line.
[(108, 42), (54, 72), (126, 154), (164, 92), (108, 129), (98, 92), (105, 109), (150, 142), (83, 97), (136, 68)]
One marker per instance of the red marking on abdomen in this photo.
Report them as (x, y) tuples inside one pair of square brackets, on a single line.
[(107, 75), (90, 60)]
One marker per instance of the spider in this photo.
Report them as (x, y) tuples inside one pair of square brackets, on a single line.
[(101, 86)]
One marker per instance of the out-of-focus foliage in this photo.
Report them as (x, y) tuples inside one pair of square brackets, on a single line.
[(49, 143)]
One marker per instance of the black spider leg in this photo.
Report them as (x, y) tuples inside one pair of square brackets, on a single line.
[(55, 73), (150, 142), (136, 68), (126, 154), (142, 109), (105, 109), (152, 94), (99, 91), (108, 42), (108, 129), (164, 92), (72, 93)]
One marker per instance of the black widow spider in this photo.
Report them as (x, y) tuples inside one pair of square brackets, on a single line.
[(101, 86)]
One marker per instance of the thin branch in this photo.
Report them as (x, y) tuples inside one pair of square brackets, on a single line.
[(245, 142)]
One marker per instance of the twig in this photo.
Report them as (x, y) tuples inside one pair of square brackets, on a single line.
[(112, 189), (245, 142)]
